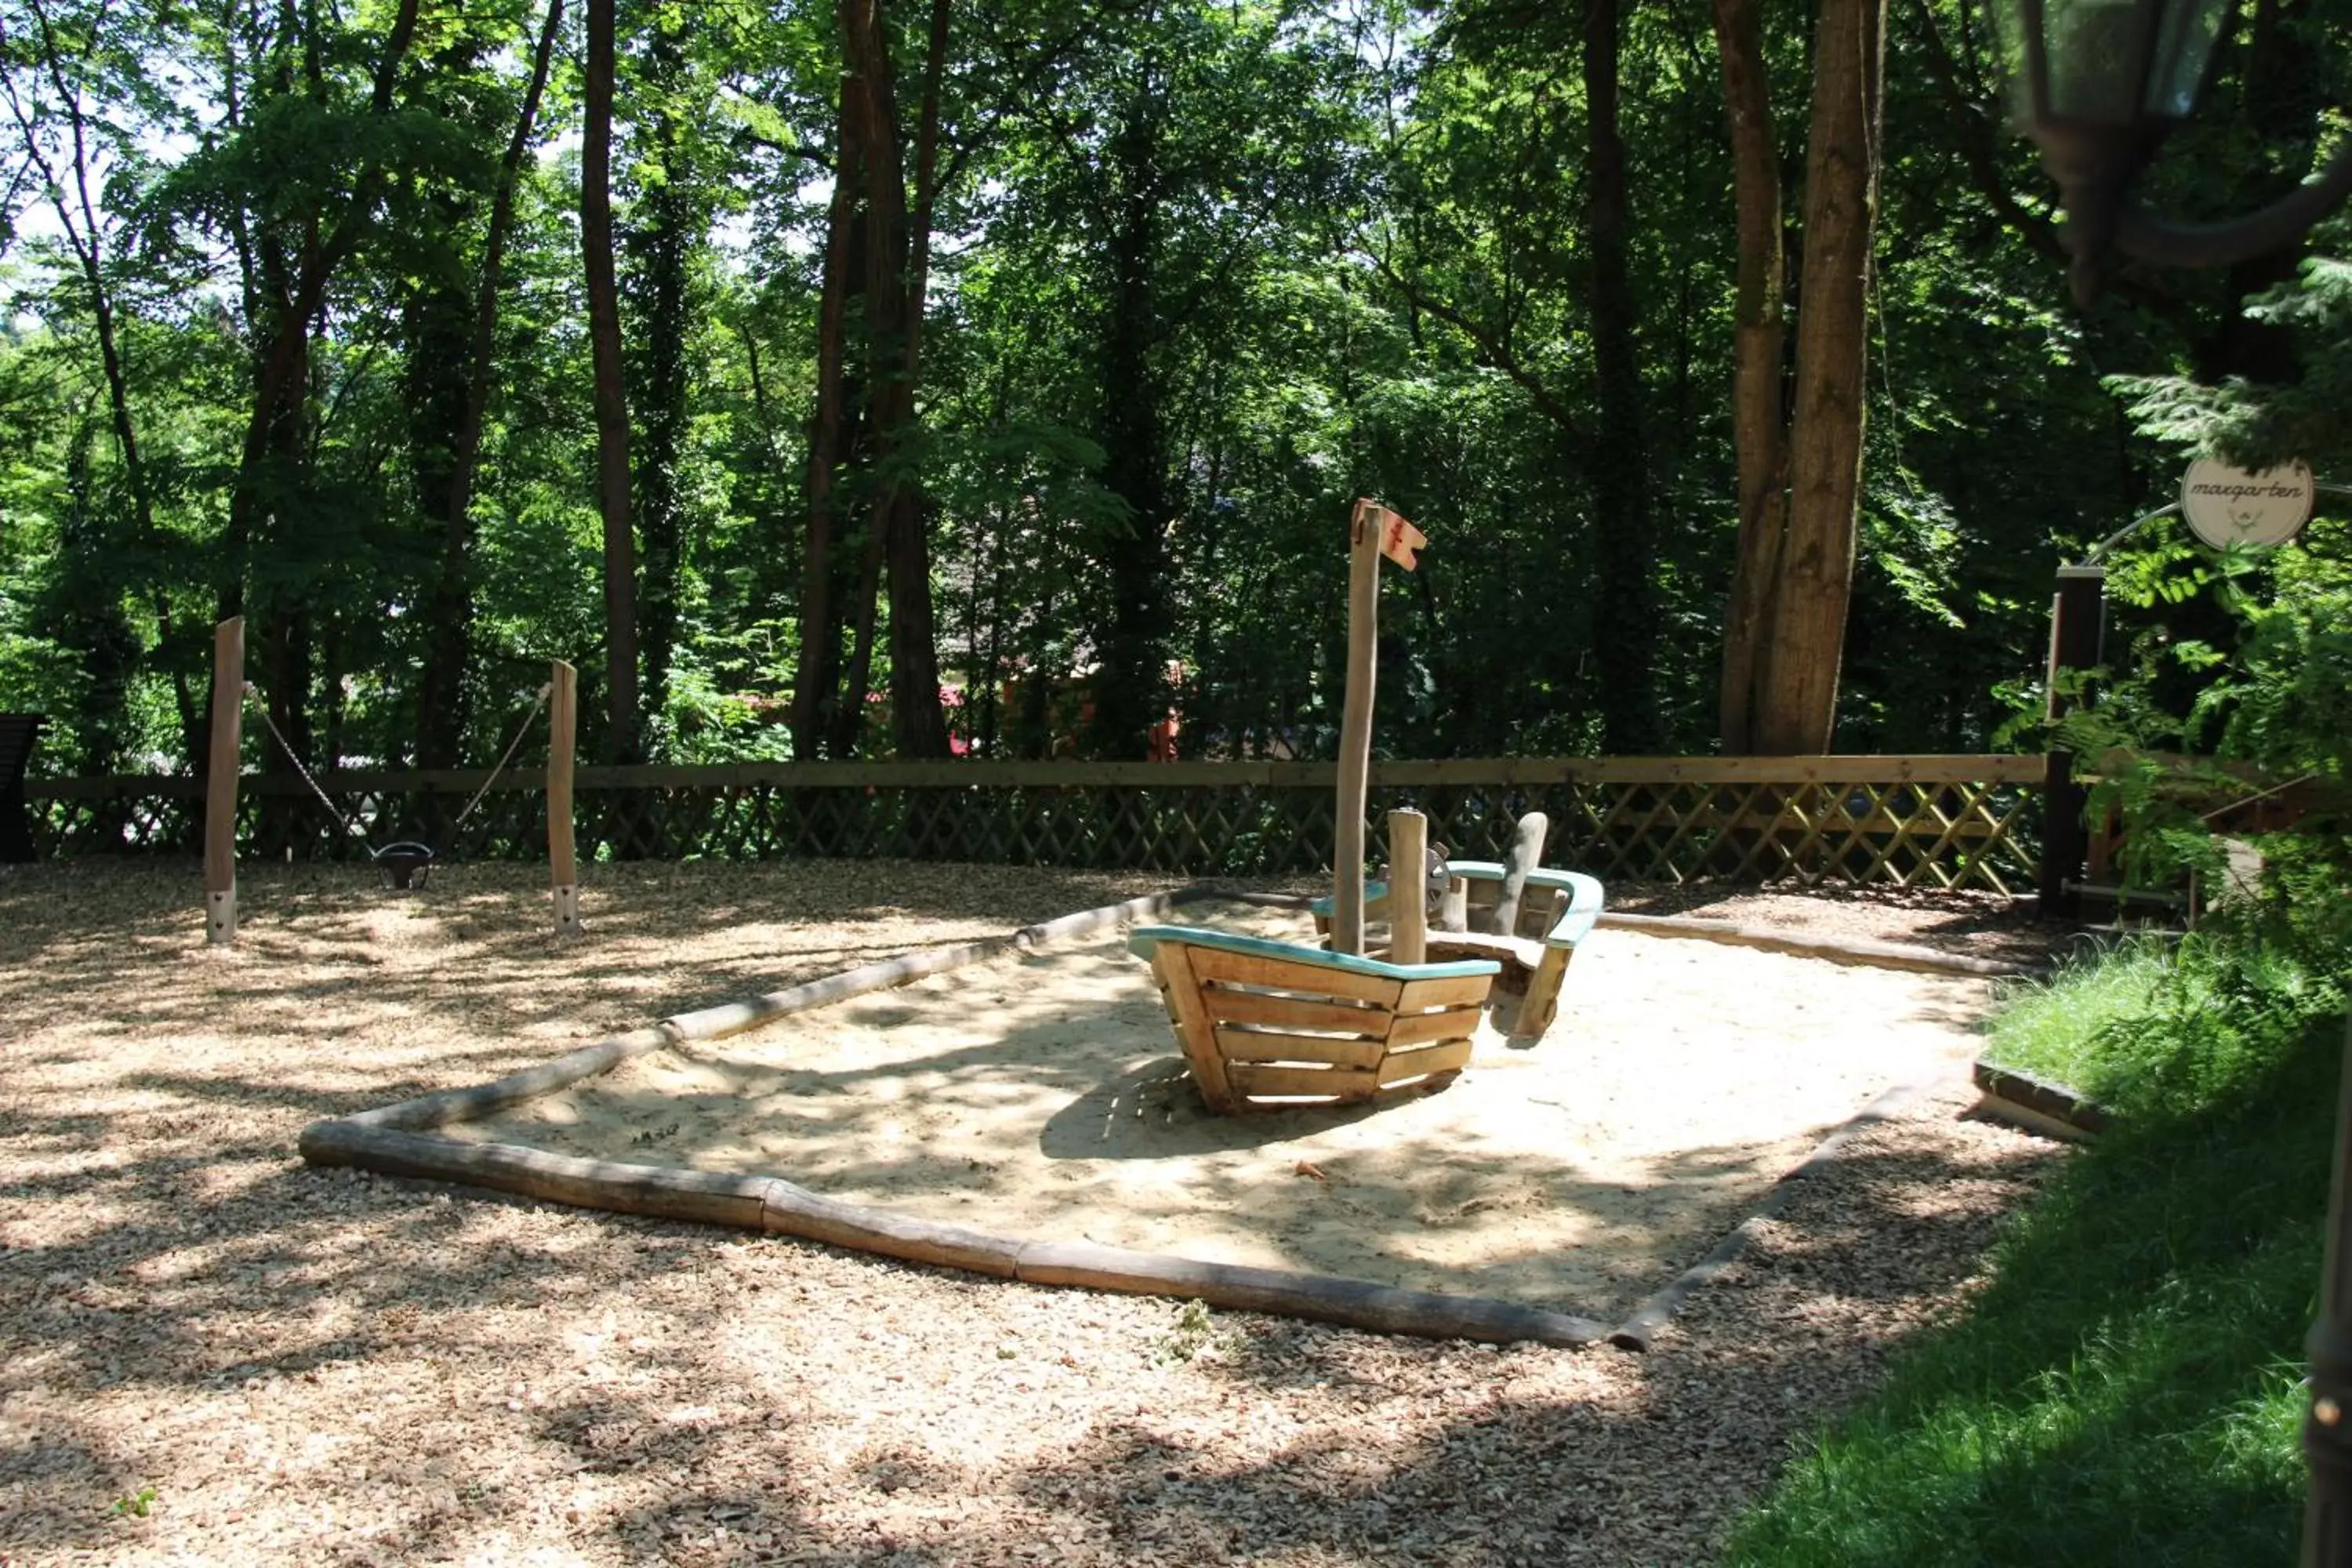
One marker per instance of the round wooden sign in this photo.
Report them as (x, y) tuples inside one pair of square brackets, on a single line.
[(2227, 506)]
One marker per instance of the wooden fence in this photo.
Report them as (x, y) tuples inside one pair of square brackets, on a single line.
[(1912, 822)]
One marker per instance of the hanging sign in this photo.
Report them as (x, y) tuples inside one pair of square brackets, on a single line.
[(2227, 506), (1399, 538)]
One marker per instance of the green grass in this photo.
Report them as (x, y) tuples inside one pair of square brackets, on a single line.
[(2127, 1387), (2053, 1031)]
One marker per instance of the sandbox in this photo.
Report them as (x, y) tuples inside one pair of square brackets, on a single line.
[(1019, 1107)]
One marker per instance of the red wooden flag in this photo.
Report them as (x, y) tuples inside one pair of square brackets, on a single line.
[(1400, 539)]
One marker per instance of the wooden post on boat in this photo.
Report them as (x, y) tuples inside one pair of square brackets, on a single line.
[(1356, 729), (1408, 887), (563, 864), (220, 782), (1527, 854), (1373, 531)]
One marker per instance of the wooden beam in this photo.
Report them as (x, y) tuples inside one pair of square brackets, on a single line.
[(1355, 730), (1526, 855), (224, 764), (1179, 989), (563, 864), (1408, 887)]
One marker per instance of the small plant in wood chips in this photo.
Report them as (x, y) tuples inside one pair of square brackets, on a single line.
[(132, 1506), (1194, 1331)]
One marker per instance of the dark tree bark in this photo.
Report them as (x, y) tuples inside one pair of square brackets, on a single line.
[(442, 705), (1760, 421), (917, 719), (621, 738), (663, 243), (870, 366), (1624, 545), (816, 681), (1130, 688)]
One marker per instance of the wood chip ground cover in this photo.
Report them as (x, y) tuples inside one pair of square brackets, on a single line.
[(329, 1367)]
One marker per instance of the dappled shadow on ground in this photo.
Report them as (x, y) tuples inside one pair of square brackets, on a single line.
[(311, 1366), (1973, 925), (1036, 1097)]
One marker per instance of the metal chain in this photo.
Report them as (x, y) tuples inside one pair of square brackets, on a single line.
[(346, 825), (520, 731)]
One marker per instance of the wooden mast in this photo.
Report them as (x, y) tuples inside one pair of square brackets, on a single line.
[(1373, 531), (1356, 729)]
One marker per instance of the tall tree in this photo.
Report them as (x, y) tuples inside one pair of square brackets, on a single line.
[(1625, 624), (441, 692), (622, 738), (45, 62), (1785, 632), (865, 439)]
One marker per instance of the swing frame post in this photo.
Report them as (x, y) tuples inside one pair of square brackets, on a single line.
[(222, 765), (563, 863)]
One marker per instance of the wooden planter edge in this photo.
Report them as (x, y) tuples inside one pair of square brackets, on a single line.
[(2037, 1104)]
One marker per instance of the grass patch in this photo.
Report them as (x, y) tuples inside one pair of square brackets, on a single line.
[(2127, 1387), (2054, 1030)]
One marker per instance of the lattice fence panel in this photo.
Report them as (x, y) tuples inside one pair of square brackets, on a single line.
[(1964, 823)]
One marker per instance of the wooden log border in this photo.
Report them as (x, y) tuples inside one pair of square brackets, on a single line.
[(1637, 1331), (1858, 951), (2037, 1104), (1855, 951), (391, 1141)]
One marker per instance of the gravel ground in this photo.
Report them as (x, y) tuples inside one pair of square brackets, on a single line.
[(334, 1368)]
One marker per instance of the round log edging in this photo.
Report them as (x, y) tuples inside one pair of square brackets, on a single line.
[(1863, 951), (781, 1207), (1637, 1331), (1835, 949), (388, 1141), (2036, 1104), (482, 1099)]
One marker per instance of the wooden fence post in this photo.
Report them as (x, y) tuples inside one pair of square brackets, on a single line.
[(562, 865), (220, 782), (2076, 618)]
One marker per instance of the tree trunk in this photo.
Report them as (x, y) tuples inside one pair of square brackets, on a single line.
[(1759, 427), (621, 737), (1797, 711), (441, 692), (665, 242), (1624, 544), (917, 719), (877, 257), (816, 680), (1128, 688), (1800, 474)]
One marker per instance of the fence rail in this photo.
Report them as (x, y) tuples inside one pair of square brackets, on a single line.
[(1904, 820)]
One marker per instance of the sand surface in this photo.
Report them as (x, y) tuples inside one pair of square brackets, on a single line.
[(1041, 1095)]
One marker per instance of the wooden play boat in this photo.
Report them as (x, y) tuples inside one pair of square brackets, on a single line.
[(1557, 912), (1268, 1024)]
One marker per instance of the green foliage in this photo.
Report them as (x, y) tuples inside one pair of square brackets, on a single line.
[(1202, 274), (133, 1505), (2126, 1388)]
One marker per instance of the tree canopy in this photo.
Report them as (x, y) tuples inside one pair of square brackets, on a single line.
[(868, 377)]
